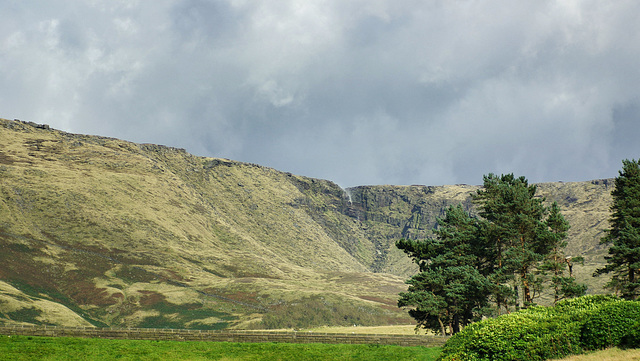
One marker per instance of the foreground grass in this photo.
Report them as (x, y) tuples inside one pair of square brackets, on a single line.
[(67, 348), (613, 354)]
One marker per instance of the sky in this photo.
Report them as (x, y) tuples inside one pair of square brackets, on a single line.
[(364, 92)]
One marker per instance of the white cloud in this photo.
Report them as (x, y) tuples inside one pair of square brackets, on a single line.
[(358, 92)]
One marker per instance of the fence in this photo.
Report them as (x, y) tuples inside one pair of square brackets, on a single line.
[(222, 336)]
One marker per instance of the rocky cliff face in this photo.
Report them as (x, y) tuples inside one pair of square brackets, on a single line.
[(103, 231), (388, 213)]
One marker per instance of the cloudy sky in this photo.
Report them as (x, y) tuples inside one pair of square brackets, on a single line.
[(359, 92)]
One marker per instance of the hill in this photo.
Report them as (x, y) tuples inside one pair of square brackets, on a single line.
[(102, 231)]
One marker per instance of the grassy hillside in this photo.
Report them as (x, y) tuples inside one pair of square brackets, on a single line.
[(130, 234), (101, 231)]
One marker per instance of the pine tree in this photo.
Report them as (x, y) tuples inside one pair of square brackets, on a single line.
[(449, 292), (517, 234), (623, 261)]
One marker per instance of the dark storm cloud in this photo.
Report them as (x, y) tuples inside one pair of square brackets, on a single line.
[(359, 92)]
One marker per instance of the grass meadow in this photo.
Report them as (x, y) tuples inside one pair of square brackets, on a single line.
[(613, 354), (67, 348)]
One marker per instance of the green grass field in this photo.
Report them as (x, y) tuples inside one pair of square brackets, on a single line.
[(66, 348)]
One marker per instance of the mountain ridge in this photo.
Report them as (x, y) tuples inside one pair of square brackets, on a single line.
[(127, 234)]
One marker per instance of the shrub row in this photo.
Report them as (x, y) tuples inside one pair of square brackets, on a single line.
[(540, 333)]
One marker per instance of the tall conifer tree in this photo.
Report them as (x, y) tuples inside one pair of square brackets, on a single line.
[(623, 261), (449, 292), (517, 233), (474, 261)]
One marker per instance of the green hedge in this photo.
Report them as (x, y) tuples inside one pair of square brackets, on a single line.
[(610, 325), (540, 333), (632, 339)]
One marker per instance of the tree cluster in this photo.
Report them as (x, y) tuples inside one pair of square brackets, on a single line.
[(490, 264)]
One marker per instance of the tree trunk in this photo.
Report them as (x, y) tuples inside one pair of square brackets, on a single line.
[(556, 271), (456, 325), (526, 289), (442, 329), (527, 294), (632, 279), (570, 268)]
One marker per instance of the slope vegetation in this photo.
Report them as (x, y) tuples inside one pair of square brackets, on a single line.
[(101, 231)]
